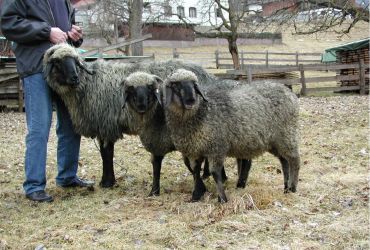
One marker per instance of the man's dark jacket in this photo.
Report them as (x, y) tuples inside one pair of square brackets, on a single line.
[(28, 24)]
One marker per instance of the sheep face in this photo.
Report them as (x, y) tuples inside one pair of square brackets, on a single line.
[(182, 90), (65, 71), (141, 91), (62, 65), (141, 98)]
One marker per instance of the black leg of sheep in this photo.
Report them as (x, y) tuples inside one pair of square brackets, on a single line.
[(107, 152), (199, 187), (243, 171), (157, 165)]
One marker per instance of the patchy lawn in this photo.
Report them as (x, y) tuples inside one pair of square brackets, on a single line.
[(329, 211)]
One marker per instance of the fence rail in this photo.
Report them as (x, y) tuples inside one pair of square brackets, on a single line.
[(223, 60), (303, 80), (268, 59)]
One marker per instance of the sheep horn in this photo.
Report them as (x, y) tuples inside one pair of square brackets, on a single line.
[(197, 90), (83, 66)]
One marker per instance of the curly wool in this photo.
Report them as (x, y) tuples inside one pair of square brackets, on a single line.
[(153, 130), (95, 105), (139, 79), (242, 122), (182, 75)]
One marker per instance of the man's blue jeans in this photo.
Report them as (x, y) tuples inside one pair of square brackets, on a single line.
[(38, 105)]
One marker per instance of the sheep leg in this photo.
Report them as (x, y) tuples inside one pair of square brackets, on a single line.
[(285, 166), (199, 187), (243, 171), (294, 164), (187, 163), (157, 165), (216, 170), (206, 172), (107, 152)]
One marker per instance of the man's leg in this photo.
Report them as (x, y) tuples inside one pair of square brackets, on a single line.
[(38, 107), (68, 146)]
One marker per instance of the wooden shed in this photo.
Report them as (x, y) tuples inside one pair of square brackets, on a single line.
[(350, 53)]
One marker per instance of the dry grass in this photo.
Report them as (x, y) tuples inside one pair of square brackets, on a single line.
[(329, 211)]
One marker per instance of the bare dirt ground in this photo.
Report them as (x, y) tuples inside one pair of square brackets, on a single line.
[(329, 211)]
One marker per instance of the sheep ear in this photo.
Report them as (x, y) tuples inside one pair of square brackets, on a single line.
[(83, 66), (168, 96), (48, 68), (197, 90), (125, 94), (158, 96)]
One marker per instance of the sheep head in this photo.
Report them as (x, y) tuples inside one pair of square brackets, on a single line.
[(62, 64), (141, 90), (182, 90)]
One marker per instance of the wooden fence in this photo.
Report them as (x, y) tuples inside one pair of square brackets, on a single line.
[(362, 78), (222, 60), (266, 58)]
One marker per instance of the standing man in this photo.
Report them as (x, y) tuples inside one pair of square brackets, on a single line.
[(35, 26)]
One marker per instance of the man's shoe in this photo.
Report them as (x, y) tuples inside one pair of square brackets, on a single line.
[(79, 183), (40, 196)]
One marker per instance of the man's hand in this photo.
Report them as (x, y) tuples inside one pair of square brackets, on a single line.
[(75, 33), (57, 36)]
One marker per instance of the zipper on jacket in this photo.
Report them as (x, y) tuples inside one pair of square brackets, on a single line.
[(51, 13)]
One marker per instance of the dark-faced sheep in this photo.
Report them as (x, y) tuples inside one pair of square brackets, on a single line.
[(93, 94), (143, 94), (242, 122)]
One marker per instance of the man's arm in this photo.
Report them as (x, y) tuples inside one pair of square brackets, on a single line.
[(75, 34), (17, 27)]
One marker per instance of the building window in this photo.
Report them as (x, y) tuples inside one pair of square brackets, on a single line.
[(192, 12), (167, 10), (181, 11)]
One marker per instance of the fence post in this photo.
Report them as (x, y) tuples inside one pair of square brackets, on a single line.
[(303, 80), (175, 54), (249, 72), (296, 58), (242, 59), (362, 77), (217, 58), (267, 58)]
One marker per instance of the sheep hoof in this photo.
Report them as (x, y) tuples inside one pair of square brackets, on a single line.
[(290, 190), (198, 193), (240, 184), (107, 184), (293, 189), (154, 193), (222, 200)]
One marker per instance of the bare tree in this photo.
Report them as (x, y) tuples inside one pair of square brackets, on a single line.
[(313, 16), (135, 25), (223, 19)]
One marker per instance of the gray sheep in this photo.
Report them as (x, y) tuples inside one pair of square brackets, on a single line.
[(93, 95), (243, 122), (143, 103)]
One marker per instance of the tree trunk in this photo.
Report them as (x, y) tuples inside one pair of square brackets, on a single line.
[(135, 24), (233, 49)]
